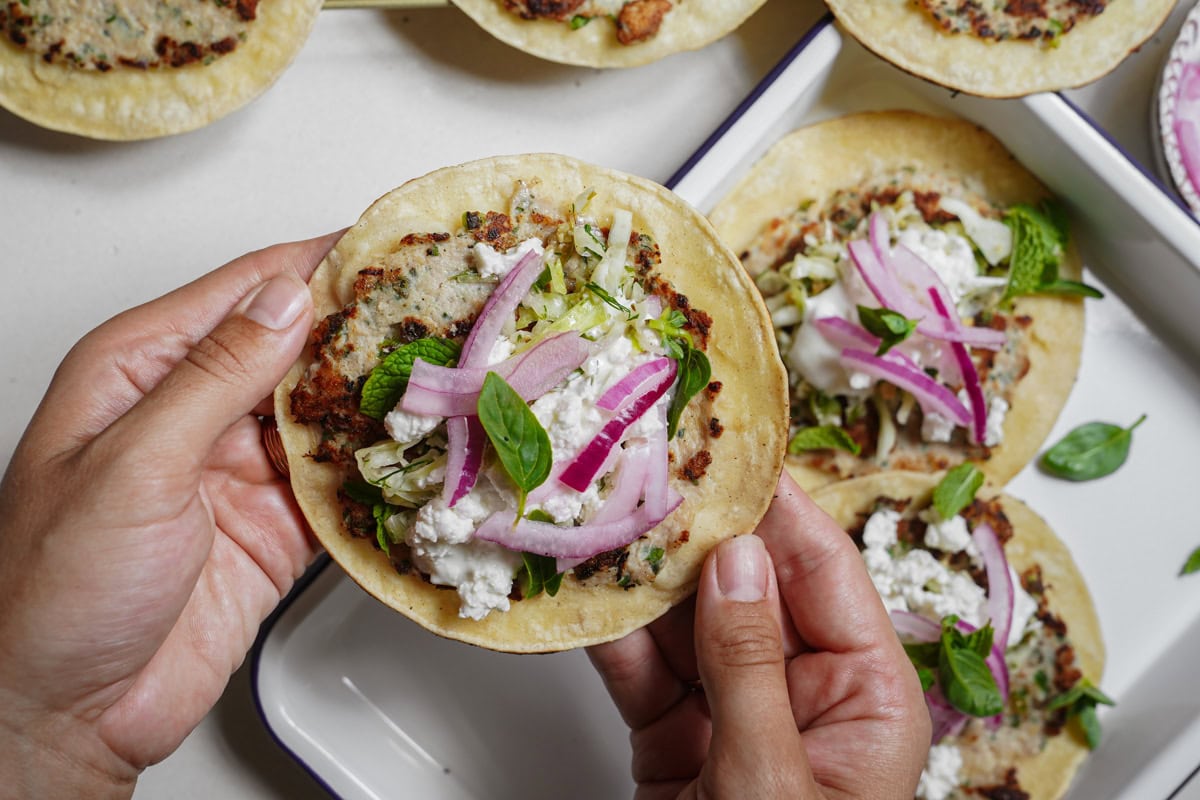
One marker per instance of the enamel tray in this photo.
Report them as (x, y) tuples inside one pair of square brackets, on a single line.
[(374, 706)]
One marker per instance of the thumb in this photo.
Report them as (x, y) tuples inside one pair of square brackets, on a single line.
[(739, 652), (227, 372)]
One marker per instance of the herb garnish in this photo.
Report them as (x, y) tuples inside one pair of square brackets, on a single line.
[(958, 661), (371, 495), (1091, 450), (823, 437), (387, 382), (956, 490), (539, 572), (1192, 564), (521, 443), (694, 374), (669, 326), (1080, 701), (1039, 239), (604, 295), (891, 327)]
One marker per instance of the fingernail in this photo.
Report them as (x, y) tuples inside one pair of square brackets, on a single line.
[(742, 569), (279, 302)]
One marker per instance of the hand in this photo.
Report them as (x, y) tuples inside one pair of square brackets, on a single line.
[(806, 693), (143, 532)]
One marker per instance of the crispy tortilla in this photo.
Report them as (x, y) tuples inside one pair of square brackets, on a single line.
[(904, 34), (127, 103), (689, 25), (747, 454), (814, 162), (1047, 775)]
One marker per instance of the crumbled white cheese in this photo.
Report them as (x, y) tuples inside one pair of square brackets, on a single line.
[(490, 263), (950, 536), (814, 357), (409, 428), (951, 257), (936, 428), (991, 236), (940, 776), (997, 410)]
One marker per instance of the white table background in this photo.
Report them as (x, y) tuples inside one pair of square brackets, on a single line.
[(375, 98)]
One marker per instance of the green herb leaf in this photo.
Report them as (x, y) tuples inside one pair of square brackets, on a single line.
[(1080, 702), (1192, 564), (386, 383), (927, 677), (694, 374), (965, 678), (381, 512), (1060, 286), (604, 295), (669, 326), (1092, 450), (578, 21), (823, 437), (1039, 238), (654, 558), (363, 492), (539, 573), (521, 442), (891, 327), (955, 491), (1090, 722)]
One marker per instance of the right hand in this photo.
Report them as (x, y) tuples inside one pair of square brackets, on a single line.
[(792, 684)]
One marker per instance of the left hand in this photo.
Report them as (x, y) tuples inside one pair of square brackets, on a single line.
[(144, 534)]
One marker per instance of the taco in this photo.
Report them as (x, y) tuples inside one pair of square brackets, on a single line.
[(481, 309), (592, 33), (991, 575), (143, 69), (1002, 49), (885, 244)]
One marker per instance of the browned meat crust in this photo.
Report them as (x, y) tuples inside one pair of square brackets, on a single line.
[(640, 20)]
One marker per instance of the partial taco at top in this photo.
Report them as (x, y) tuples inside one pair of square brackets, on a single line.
[(1003, 49), (143, 68), (538, 393), (998, 622), (608, 33), (924, 292)]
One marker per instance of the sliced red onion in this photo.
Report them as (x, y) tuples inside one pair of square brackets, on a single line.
[(657, 480), (465, 438), (841, 332), (947, 720), (583, 469), (915, 626), (452, 392), (970, 377), (1001, 593), (930, 394), (631, 384), (499, 309), (583, 541), (630, 477)]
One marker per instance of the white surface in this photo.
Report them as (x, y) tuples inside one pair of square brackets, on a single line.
[(376, 98)]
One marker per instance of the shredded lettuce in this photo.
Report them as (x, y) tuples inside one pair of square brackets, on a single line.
[(403, 482)]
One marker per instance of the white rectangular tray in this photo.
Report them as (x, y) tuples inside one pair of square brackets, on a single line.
[(374, 706)]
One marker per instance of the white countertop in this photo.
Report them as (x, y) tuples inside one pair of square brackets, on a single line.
[(374, 98)]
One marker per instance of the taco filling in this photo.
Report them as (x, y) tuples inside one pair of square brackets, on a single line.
[(892, 306), (1002, 19), (133, 35), (516, 428), (636, 20), (995, 657)]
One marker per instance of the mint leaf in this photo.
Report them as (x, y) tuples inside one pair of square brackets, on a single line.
[(1090, 451), (889, 326), (823, 437), (386, 383), (1039, 239), (956, 490), (521, 442), (694, 374)]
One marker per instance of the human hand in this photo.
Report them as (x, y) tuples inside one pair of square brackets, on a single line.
[(807, 692), (144, 534)]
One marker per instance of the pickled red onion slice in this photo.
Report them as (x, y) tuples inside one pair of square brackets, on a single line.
[(930, 394), (970, 377), (583, 469), (583, 541), (454, 391), (465, 440), (631, 384)]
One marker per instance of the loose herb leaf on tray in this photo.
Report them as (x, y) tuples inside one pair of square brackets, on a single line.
[(1090, 451)]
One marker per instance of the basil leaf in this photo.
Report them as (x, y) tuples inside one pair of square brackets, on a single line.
[(539, 573), (927, 678), (923, 655), (521, 442), (1060, 286), (1090, 723), (1192, 564), (381, 511), (823, 437), (1080, 702), (1090, 451), (694, 374), (891, 327), (363, 492), (387, 382), (955, 491)]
